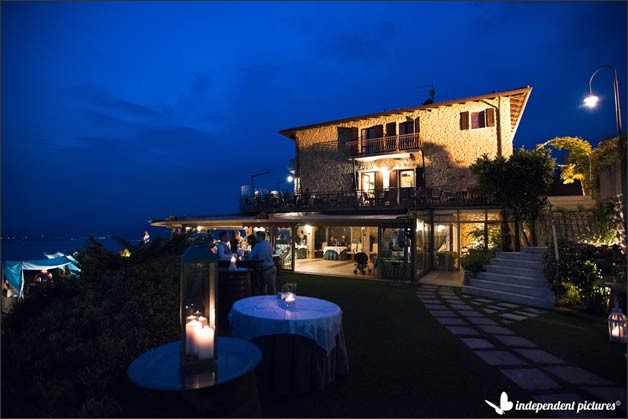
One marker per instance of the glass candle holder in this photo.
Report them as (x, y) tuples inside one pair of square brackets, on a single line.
[(289, 294)]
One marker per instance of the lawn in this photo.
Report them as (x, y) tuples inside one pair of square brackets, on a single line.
[(402, 362)]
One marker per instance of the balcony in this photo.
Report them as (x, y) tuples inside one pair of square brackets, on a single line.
[(391, 198), (364, 147)]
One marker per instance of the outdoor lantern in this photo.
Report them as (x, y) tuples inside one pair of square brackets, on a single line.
[(198, 308), (617, 325)]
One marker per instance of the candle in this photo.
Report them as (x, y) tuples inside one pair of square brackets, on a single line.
[(615, 331), (197, 314), (190, 330), (290, 297), (190, 318), (233, 265), (212, 318), (203, 321), (204, 342)]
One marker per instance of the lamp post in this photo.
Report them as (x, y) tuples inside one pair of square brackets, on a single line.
[(592, 100)]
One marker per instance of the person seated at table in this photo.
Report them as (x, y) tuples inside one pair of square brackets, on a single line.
[(223, 248), (264, 252)]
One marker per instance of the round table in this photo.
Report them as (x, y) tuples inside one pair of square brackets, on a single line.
[(159, 368), (303, 348)]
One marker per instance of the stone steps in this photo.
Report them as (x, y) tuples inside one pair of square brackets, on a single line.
[(532, 257), (507, 270), (516, 277), (517, 263), (533, 291), (513, 279)]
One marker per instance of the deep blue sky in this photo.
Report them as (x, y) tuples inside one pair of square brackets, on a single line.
[(117, 113)]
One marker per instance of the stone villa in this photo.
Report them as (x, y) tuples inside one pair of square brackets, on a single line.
[(394, 185)]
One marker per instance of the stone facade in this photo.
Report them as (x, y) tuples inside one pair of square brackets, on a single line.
[(448, 150)]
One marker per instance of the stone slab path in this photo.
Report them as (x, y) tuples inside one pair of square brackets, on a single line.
[(542, 374)]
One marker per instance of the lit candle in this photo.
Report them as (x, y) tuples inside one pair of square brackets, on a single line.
[(190, 318), (290, 297), (203, 321), (615, 331), (212, 318), (190, 330), (233, 265), (204, 342)]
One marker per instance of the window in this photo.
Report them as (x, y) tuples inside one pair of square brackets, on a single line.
[(482, 119), (368, 181), (406, 127), (406, 178), (478, 120)]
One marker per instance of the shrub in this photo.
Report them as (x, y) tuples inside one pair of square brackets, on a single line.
[(579, 278), (475, 259), (66, 348)]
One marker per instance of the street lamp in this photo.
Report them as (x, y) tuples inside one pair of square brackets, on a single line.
[(591, 101)]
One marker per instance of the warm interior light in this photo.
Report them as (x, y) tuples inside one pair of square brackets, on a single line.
[(308, 228), (591, 101)]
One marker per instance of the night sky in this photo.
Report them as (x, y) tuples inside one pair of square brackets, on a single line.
[(117, 113)]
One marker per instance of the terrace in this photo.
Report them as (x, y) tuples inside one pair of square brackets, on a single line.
[(387, 198), (362, 147)]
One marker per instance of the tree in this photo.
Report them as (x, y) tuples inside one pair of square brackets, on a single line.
[(578, 160), (519, 185)]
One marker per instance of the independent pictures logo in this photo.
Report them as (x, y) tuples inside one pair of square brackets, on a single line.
[(506, 405)]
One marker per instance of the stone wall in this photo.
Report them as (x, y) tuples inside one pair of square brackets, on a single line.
[(448, 150)]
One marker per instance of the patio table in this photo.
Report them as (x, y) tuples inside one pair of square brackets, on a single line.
[(163, 390), (303, 348)]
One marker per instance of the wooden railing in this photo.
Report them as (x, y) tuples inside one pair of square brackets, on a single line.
[(394, 198), (383, 145)]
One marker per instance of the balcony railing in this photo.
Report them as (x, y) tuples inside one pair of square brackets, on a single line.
[(383, 145), (391, 198)]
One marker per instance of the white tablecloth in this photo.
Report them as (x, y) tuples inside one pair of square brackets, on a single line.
[(262, 315), (337, 249)]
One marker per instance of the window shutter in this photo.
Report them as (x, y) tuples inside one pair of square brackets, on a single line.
[(391, 129), (379, 180), (490, 117), (420, 177), (464, 120), (393, 179), (417, 125)]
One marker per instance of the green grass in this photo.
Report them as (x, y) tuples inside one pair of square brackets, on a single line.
[(402, 362), (578, 339)]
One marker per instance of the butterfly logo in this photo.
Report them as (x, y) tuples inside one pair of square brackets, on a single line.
[(504, 404)]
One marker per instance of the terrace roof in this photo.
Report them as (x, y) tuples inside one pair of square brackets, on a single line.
[(280, 219)]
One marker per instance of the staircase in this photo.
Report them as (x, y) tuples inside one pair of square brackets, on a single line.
[(516, 277)]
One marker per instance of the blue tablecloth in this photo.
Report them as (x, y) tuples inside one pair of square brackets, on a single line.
[(159, 368), (262, 315)]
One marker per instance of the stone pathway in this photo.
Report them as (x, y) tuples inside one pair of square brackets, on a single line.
[(545, 376)]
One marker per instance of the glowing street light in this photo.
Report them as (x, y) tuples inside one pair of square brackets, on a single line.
[(591, 101), (290, 179)]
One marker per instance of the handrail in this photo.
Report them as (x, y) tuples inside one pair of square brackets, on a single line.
[(398, 198), (387, 144)]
